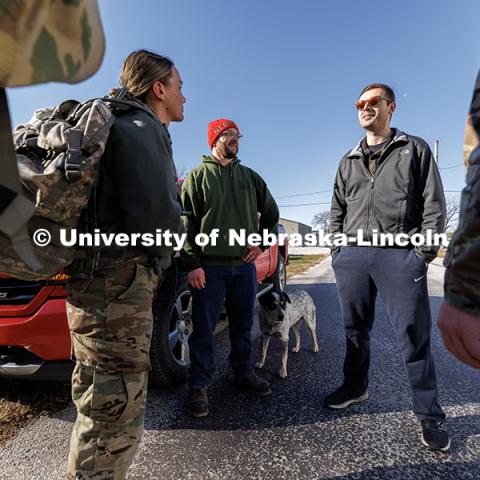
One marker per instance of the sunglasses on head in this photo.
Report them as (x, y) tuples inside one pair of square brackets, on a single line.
[(372, 101)]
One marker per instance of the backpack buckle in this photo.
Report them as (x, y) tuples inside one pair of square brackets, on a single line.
[(73, 160)]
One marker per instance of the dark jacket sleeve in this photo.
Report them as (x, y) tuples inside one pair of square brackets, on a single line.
[(462, 277), (267, 207), (193, 207), (142, 169), (432, 200), (338, 209)]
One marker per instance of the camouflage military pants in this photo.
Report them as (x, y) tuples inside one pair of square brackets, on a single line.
[(111, 326)]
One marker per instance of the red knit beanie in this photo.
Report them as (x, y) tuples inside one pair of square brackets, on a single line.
[(217, 127)]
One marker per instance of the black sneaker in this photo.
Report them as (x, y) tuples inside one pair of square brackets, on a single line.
[(342, 397), (197, 403), (252, 383), (435, 435)]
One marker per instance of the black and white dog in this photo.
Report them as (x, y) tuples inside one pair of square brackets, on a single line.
[(277, 313)]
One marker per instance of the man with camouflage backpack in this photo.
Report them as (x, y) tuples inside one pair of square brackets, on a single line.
[(111, 291)]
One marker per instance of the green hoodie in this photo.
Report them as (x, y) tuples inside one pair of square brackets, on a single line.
[(224, 198)]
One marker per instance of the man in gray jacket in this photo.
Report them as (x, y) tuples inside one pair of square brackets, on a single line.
[(388, 184)]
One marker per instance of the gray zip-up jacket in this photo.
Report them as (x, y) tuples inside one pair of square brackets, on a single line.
[(404, 196)]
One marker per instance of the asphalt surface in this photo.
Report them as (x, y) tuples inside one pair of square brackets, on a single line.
[(290, 435)]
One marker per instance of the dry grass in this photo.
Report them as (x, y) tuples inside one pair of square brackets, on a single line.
[(301, 263), (21, 402)]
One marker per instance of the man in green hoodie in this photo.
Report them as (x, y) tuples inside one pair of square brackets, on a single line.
[(225, 196)]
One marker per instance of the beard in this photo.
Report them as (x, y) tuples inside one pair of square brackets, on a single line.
[(227, 151)]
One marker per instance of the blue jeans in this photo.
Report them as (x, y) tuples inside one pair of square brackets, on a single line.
[(237, 286)]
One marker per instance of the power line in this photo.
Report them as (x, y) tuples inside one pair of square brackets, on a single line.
[(304, 204), (453, 166), (328, 203), (327, 191), (304, 194)]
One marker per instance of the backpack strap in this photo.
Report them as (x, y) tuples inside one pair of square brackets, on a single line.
[(126, 105), (73, 161)]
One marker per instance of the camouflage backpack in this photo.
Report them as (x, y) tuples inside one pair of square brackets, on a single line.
[(58, 155), (40, 41)]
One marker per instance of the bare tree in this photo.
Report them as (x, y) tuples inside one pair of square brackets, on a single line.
[(322, 220), (453, 209), (182, 171)]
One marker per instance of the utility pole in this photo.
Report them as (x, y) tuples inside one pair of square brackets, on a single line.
[(435, 151)]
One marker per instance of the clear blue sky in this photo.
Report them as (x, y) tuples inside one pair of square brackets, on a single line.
[(289, 72)]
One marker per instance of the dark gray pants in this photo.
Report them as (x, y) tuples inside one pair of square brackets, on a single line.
[(399, 276)]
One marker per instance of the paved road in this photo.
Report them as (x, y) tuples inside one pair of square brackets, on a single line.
[(289, 435)]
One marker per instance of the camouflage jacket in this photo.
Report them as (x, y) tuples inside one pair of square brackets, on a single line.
[(462, 277), (62, 41)]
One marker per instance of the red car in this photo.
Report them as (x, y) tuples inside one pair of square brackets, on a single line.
[(35, 339)]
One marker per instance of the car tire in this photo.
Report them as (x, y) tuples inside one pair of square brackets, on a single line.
[(169, 352), (279, 277)]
